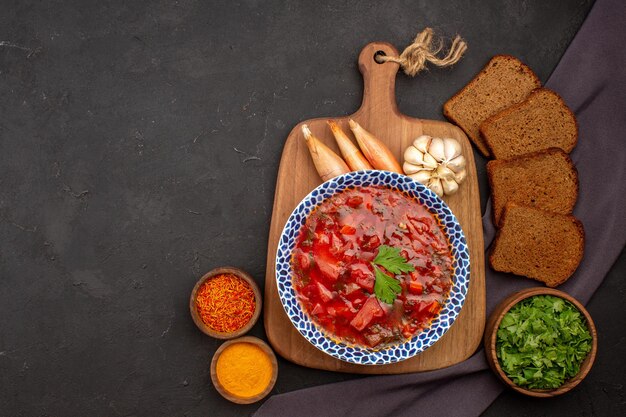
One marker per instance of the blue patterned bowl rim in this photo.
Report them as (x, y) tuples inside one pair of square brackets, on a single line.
[(357, 354)]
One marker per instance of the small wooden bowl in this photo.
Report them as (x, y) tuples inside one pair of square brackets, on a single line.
[(257, 299), (220, 388), (491, 331)]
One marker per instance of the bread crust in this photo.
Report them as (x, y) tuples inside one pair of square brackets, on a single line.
[(494, 164), (481, 145), (568, 272), (488, 123)]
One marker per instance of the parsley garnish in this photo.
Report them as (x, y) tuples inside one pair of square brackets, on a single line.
[(387, 288), (542, 341), (390, 259)]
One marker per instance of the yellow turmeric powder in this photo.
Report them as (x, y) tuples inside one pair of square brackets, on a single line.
[(244, 369)]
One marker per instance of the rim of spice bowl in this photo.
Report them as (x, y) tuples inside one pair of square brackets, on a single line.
[(258, 302), (491, 331), (233, 398)]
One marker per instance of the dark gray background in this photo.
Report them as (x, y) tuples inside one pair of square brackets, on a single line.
[(140, 143)]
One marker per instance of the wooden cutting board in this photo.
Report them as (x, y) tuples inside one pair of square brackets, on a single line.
[(297, 177)]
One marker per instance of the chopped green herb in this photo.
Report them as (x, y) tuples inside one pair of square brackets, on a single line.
[(386, 288), (389, 258), (542, 341)]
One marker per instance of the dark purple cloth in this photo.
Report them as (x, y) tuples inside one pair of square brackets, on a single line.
[(591, 78)]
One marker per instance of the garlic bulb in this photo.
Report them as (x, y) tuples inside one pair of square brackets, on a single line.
[(438, 163)]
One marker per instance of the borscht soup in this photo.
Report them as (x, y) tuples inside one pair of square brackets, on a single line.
[(372, 266)]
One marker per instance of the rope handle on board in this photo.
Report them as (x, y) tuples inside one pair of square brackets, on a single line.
[(415, 56)]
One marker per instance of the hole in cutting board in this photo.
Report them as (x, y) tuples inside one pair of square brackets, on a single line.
[(377, 55)]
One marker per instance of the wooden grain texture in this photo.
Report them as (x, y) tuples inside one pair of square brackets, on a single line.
[(297, 177), (491, 335)]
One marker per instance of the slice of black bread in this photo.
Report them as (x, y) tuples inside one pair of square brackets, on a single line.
[(503, 82), (540, 122), (538, 244), (546, 179)]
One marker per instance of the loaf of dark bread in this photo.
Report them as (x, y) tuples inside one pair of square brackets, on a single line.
[(538, 244), (546, 179), (503, 82), (541, 121)]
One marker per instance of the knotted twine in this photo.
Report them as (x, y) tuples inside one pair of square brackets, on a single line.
[(415, 56)]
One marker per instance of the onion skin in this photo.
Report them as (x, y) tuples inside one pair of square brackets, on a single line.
[(375, 150), (327, 163), (351, 154)]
